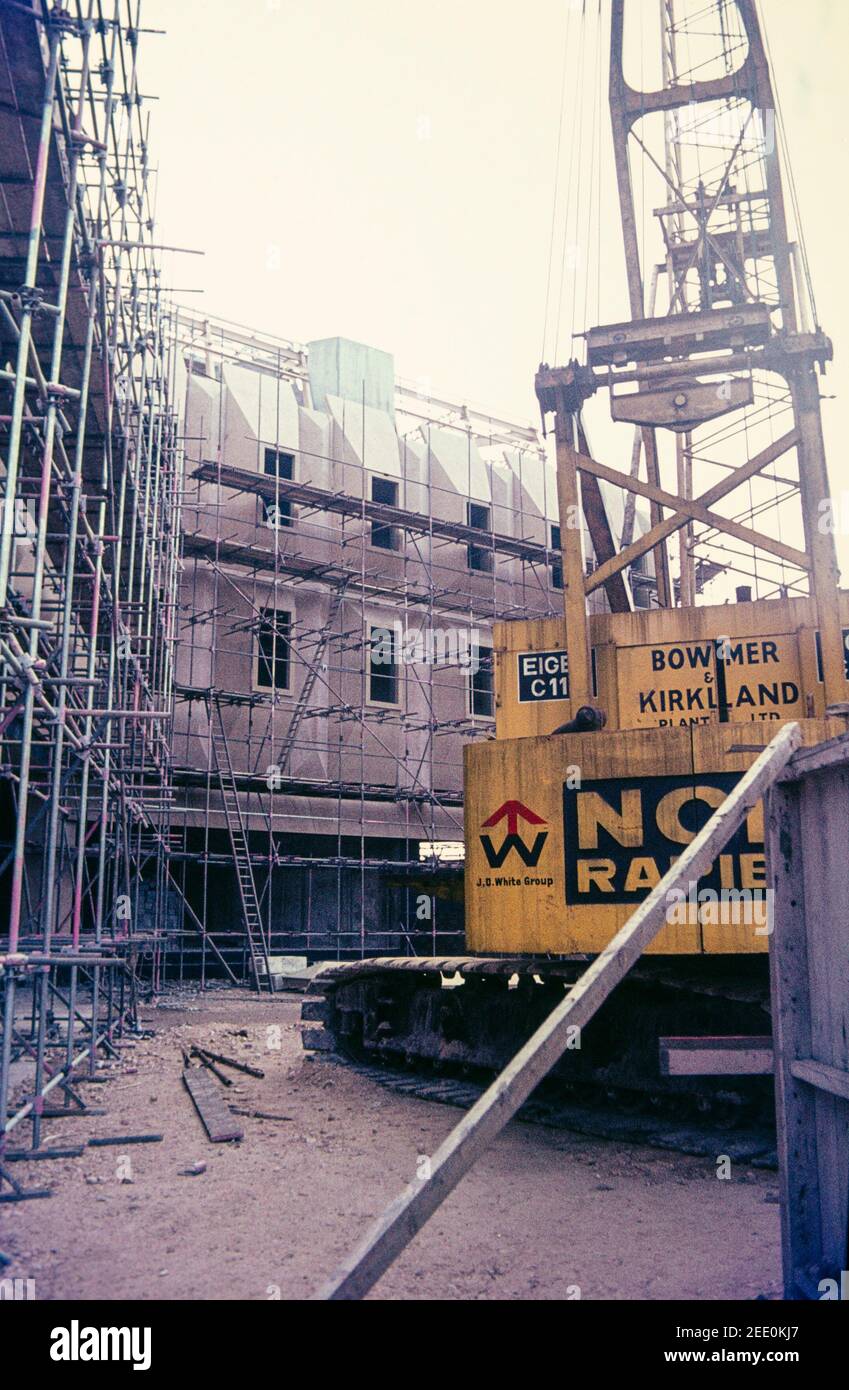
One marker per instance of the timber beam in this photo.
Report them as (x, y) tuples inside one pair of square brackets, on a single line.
[(698, 509)]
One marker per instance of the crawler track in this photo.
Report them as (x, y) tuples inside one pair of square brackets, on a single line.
[(440, 1027), (597, 1115)]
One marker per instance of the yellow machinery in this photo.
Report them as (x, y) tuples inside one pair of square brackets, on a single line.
[(565, 833), (619, 732)]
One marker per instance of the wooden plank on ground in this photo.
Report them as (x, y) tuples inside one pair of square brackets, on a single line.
[(209, 1103), (401, 1221)]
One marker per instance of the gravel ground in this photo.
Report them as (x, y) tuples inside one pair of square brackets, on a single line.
[(545, 1214)]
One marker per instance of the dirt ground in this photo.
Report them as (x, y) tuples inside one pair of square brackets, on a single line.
[(545, 1214)]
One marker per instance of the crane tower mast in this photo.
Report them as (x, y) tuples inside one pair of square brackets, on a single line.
[(717, 368)]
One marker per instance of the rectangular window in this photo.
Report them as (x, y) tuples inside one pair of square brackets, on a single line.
[(383, 666), (383, 536), (479, 557), (482, 684), (641, 583), (557, 563), (277, 511), (273, 635)]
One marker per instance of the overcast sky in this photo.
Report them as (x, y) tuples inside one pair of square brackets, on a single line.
[(384, 170)]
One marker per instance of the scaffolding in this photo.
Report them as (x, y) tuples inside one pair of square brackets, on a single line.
[(345, 503), (92, 476), (248, 588)]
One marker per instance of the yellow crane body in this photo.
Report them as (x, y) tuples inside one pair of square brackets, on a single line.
[(566, 832)]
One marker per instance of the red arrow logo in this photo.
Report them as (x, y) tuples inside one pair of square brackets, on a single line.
[(514, 811)]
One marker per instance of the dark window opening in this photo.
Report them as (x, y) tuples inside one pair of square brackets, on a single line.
[(482, 683), (479, 557), (383, 536), (383, 666), (556, 564), (273, 636), (641, 583), (277, 511)]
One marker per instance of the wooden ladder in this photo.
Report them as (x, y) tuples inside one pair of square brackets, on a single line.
[(251, 914), (310, 679)]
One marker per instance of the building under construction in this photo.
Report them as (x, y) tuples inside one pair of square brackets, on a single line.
[(348, 543)]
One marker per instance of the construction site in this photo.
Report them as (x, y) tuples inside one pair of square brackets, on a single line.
[(396, 797)]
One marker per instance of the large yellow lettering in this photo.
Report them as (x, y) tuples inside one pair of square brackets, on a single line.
[(642, 873), (595, 872), (625, 825), (669, 810), (752, 870)]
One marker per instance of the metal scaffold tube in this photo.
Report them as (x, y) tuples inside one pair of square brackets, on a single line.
[(91, 475)]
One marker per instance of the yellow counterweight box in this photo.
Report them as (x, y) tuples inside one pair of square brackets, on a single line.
[(566, 833), (667, 668)]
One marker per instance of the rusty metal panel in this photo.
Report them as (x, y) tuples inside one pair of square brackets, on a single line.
[(682, 405), (646, 339)]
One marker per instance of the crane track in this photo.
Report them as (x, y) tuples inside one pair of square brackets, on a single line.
[(752, 1145), (407, 1024)]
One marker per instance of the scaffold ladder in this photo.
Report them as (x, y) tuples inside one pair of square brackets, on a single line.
[(310, 679), (251, 914)]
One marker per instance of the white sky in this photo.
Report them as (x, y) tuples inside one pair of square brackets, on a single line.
[(384, 170)]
